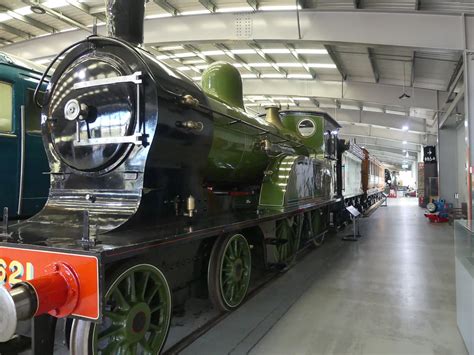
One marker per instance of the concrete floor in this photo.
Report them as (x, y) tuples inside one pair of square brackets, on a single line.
[(392, 292)]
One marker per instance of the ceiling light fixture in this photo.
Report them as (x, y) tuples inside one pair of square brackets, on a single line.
[(37, 10)]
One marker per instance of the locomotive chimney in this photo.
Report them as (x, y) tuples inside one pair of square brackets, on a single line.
[(125, 20)]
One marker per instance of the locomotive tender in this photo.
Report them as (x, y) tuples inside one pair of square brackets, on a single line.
[(158, 186)]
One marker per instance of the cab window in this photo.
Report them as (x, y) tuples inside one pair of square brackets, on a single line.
[(6, 107), (33, 112)]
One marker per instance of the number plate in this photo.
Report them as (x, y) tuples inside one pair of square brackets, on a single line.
[(17, 265)]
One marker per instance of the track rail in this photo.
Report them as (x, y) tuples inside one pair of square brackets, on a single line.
[(269, 278)]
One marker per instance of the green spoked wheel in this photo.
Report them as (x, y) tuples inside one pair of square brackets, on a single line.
[(288, 233), (136, 317), (229, 271)]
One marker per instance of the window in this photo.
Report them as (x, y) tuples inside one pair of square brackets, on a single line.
[(6, 107), (33, 112)]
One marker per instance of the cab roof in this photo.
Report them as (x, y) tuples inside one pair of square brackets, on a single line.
[(20, 63)]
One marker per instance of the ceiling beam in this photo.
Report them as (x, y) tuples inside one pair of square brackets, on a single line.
[(165, 5), (413, 73), (28, 20), (302, 60), (453, 81), (267, 58), (208, 4), (337, 61), (433, 31), (237, 58), (86, 9), (349, 91), (15, 31), (373, 65), (58, 15), (254, 4)]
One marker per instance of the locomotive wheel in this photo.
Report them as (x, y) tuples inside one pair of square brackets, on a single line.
[(287, 236), (229, 271), (137, 313)]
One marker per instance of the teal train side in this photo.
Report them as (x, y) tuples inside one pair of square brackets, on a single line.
[(24, 181)]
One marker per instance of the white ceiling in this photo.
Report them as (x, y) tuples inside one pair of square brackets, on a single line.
[(270, 62)]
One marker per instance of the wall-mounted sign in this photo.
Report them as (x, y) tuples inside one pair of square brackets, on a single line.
[(429, 154)]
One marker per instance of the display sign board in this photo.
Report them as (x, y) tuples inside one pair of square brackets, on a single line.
[(429, 154), (353, 211)]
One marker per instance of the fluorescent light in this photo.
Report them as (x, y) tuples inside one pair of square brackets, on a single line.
[(150, 17), (278, 7), (68, 29), (184, 68), (183, 55), (260, 65), (272, 76), (391, 112), (350, 107), (322, 65), (281, 98), (404, 142), (4, 17), (197, 78), (290, 65), (24, 10), (311, 51), (195, 12), (202, 66), (405, 128), (372, 109), (242, 51), (162, 57), (235, 9), (194, 61), (300, 76), (275, 50), (301, 98), (257, 98), (210, 53), (248, 76), (54, 4), (252, 105), (170, 48)]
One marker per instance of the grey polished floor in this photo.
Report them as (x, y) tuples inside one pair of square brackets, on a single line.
[(392, 292)]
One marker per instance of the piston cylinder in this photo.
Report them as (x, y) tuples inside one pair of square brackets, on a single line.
[(56, 293)]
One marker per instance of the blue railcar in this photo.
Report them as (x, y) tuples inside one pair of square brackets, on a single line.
[(23, 182)]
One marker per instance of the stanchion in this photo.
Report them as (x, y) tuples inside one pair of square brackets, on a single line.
[(354, 215)]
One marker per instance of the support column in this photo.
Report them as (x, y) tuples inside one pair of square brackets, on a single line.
[(469, 124)]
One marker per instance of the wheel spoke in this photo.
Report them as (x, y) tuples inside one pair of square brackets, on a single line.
[(109, 332), (114, 316), (156, 308), (132, 287), (145, 284), (111, 348), (120, 299), (153, 293)]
